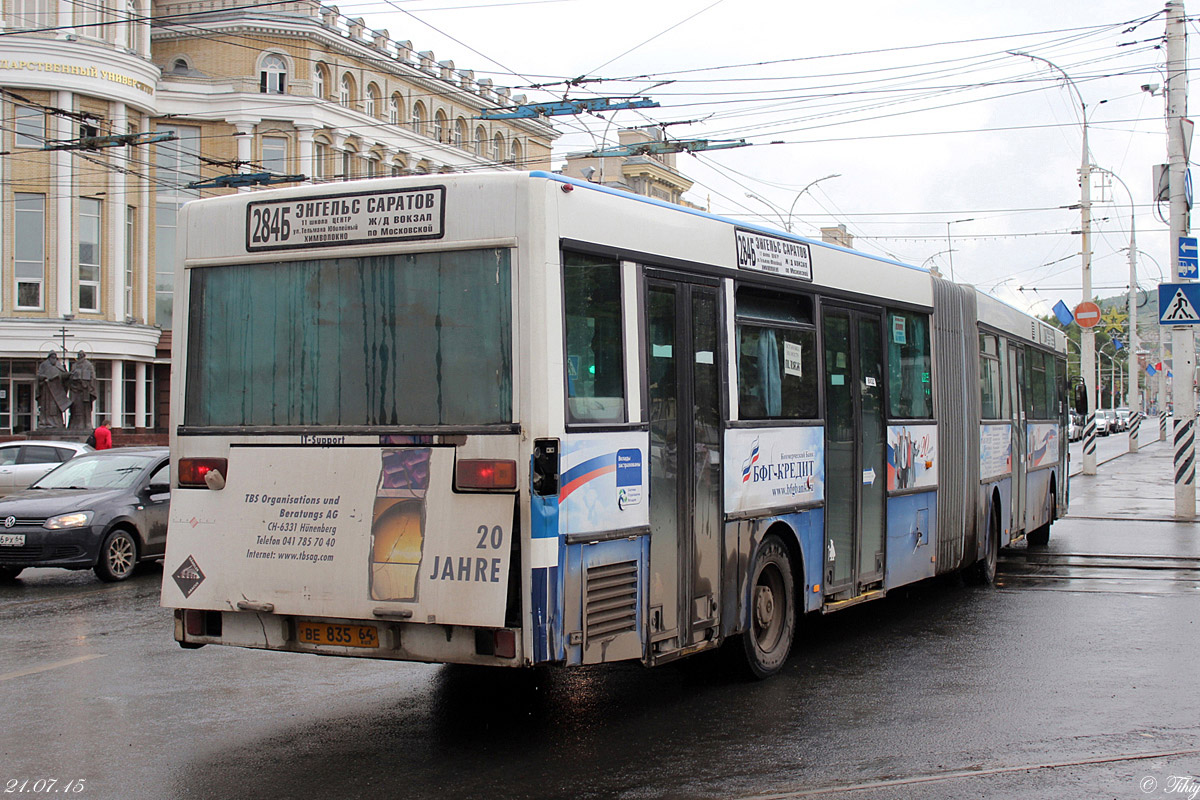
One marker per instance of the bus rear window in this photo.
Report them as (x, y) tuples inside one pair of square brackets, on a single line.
[(421, 339)]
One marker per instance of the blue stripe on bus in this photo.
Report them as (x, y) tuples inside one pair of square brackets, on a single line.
[(544, 593)]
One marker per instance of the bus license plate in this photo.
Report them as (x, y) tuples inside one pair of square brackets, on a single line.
[(325, 633), (12, 539)]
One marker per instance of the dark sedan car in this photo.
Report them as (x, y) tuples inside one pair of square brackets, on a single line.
[(105, 511)]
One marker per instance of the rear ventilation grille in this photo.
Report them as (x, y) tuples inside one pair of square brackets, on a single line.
[(610, 605)]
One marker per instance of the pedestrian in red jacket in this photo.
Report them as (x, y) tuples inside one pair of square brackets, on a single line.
[(103, 436)]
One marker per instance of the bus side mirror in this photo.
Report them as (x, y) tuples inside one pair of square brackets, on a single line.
[(1080, 398)]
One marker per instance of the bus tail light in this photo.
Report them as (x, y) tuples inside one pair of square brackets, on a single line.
[(485, 474), (203, 473)]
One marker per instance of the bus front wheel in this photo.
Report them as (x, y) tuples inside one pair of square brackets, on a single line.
[(772, 625)]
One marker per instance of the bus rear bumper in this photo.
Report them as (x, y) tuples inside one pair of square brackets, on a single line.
[(389, 640)]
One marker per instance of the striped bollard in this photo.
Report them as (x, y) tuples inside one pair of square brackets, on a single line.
[(1185, 452), (1089, 439), (1162, 425), (1135, 430)]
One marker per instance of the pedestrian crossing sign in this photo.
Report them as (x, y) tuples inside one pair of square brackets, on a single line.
[(1179, 303)]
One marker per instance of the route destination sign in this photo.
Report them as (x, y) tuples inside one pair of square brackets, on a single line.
[(334, 220)]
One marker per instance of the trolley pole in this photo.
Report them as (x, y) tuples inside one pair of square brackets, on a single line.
[(1183, 345)]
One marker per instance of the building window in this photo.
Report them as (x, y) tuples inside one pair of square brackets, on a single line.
[(273, 77), (29, 247), (394, 110), (481, 138), (348, 158), (372, 167), (30, 125), (397, 168), (32, 14), (460, 132), (418, 117), (274, 154), (346, 95), (89, 254), (372, 100), (319, 81), (129, 397), (87, 19), (516, 152), (180, 66), (165, 223), (130, 256), (498, 147), (320, 160), (439, 126), (177, 162)]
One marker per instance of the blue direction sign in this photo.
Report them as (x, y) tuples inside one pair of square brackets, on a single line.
[(1178, 303), (1189, 258)]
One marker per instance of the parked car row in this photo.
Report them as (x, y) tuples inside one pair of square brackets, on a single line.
[(1108, 421), (105, 511)]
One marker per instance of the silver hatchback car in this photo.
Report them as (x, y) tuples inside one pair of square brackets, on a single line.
[(22, 463)]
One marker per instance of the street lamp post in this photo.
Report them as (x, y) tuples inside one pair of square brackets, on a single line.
[(950, 244), (1088, 335), (787, 222), (1131, 401)]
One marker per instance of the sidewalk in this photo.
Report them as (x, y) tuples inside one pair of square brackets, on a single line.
[(1127, 507)]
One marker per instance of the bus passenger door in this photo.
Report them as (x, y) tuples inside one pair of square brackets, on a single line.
[(855, 441), (683, 380), (1016, 397)]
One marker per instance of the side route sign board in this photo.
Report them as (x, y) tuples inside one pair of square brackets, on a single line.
[(1179, 303)]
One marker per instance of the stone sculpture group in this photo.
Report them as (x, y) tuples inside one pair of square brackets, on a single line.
[(60, 390)]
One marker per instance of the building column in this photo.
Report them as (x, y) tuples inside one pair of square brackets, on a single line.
[(139, 400), (116, 397), (245, 147), (143, 28), (66, 21), (64, 187), (304, 137), (116, 223), (143, 271)]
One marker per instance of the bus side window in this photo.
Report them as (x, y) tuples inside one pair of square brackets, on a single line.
[(595, 362), (910, 387), (776, 356), (991, 392)]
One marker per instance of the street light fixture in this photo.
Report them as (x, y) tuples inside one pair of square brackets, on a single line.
[(787, 222), (1088, 335), (950, 244)]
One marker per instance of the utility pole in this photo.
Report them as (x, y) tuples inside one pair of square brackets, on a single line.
[(1183, 345), (1087, 337), (1133, 402)]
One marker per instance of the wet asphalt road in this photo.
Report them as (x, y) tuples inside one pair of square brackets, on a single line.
[(1075, 677)]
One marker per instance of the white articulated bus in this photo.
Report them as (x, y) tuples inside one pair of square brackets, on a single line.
[(515, 419)]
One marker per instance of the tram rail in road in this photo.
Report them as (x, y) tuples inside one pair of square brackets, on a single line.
[(1108, 572)]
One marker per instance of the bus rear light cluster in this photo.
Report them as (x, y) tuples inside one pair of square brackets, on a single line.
[(203, 473), (485, 474)]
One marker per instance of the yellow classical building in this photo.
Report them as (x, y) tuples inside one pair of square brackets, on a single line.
[(289, 89)]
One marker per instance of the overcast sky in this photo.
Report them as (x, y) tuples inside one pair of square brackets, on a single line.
[(917, 106)]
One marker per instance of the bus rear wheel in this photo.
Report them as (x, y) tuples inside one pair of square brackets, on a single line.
[(772, 625), (984, 570), (1040, 536)]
